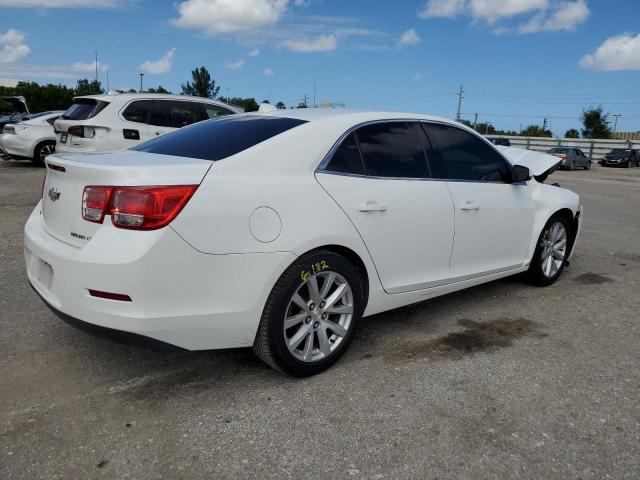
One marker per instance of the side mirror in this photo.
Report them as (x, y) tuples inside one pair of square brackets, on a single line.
[(520, 173)]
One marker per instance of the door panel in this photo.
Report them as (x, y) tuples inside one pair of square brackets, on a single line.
[(494, 234), (407, 226)]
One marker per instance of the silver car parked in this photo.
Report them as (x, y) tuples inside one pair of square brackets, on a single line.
[(572, 157)]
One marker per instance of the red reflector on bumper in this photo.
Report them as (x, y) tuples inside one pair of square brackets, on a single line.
[(110, 296)]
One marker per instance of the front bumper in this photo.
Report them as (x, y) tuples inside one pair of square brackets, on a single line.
[(179, 296)]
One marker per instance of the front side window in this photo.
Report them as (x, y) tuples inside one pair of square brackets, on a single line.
[(346, 158), (137, 111), (466, 157), (393, 149)]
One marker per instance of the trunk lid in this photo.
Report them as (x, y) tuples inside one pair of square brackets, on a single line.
[(62, 193), (539, 164)]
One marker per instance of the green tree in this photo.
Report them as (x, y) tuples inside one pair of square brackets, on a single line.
[(572, 133), (248, 104), (203, 85), (160, 89), (40, 98), (594, 123), (85, 87), (280, 106), (536, 131)]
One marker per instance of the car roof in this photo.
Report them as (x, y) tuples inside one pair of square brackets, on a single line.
[(125, 97), (357, 116)]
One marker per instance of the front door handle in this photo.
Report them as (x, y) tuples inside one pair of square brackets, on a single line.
[(372, 206), (469, 205)]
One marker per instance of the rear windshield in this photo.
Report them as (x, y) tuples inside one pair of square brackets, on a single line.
[(84, 108), (218, 139), (559, 150)]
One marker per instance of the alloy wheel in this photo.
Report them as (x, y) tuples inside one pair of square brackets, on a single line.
[(318, 317), (554, 249), (46, 150)]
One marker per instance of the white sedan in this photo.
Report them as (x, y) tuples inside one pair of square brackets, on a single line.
[(33, 139), (281, 230)]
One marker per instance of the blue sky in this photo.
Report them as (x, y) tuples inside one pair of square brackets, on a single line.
[(518, 60)]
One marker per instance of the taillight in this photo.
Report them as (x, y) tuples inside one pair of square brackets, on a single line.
[(563, 156), (135, 208), (44, 179), (95, 201), (81, 131)]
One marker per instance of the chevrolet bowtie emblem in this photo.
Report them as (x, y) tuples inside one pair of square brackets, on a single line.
[(54, 194)]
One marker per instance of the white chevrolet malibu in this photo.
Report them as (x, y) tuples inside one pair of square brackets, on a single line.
[(281, 230)]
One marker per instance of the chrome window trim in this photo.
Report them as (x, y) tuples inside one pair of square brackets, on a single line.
[(327, 158)]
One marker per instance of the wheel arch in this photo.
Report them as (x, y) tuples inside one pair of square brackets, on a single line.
[(354, 259), (38, 144), (567, 213)]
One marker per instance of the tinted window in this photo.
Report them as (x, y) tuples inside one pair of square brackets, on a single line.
[(559, 150), (215, 111), (51, 120), (182, 114), (393, 150), (159, 115), (466, 157), (137, 111), (84, 108), (346, 158), (218, 139)]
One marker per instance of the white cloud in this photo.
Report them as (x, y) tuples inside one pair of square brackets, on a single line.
[(492, 10), (160, 66), (410, 37), (89, 67), (253, 53), (267, 72), (61, 3), (13, 48), (323, 43), (38, 71), (621, 52), (567, 16), (442, 8), (235, 65), (214, 17)]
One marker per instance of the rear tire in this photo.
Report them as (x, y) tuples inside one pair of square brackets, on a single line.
[(588, 165), (311, 314), (41, 152), (552, 251), (572, 165)]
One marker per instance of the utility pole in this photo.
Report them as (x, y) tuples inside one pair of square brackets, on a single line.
[(141, 75), (544, 123), (615, 123), (460, 97), (107, 72), (305, 100), (96, 54), (314, 94), (475, 120)]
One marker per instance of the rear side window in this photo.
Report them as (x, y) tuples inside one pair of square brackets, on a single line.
[(346, 158), (138, 111), (182, 114), (84, 108), (218, 139), (215, 111), (393, 149), (466, 157)]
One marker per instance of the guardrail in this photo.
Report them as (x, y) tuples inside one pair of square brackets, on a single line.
[(594, 149)]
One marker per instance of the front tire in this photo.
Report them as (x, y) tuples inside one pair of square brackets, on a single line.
[(311, 314), (588, 165), (41, 152), (552, 250)]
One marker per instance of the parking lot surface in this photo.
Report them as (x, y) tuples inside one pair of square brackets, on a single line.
[(504, 380)]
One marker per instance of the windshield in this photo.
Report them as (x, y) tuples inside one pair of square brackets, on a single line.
[(620, 151), (218, 139), (558, 150)]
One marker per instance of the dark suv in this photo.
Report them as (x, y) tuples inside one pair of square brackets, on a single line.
[(621, 157)]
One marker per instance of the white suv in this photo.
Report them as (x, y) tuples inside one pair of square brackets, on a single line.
[(99, 123)]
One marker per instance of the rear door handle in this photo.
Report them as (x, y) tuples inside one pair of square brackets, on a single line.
[(469, 205), (371, 206)]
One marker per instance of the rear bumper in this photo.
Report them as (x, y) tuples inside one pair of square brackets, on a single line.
[(179, 296), (12, 144)]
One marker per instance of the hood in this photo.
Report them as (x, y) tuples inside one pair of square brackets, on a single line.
[(19, 103), (541, 165)]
